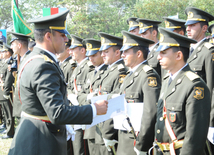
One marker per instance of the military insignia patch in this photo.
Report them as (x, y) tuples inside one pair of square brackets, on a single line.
[(124, 39), (161, 37), (152, 81), (130, 101), (199, 93), (102, 40), (89, 46), (172, 116), (131, 23), (121, 78), (190, 15), (141, 25)]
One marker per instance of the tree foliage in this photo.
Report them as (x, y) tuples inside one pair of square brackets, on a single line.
[(88, 17)]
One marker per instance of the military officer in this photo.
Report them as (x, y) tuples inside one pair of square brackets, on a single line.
[(77, 82), (6, 80), (19, 45), (175, 25), (184, 102), (201, 53), (67, 64), (133, 25), (141, 85), (42, 91), (211, 31), (149, 30), (111, 81)]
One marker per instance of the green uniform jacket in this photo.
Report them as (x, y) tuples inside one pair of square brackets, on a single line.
[(201, 62), (188, 103), (68, 67), (111, 81), (142, 86), (43, 92), (153, 61)]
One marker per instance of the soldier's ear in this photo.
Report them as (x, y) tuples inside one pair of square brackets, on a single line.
[(179, 55)]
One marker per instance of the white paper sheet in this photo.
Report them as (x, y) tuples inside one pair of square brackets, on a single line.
[(135, 112), (115, 107)]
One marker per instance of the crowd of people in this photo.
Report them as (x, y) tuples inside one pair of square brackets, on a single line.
[(47, 85)]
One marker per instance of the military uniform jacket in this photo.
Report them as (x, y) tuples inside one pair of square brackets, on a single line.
[(68, 67), (111, 82), (7, 80), (43, 92), (153, 61), (142, 86), (188, 102), (201, 62), (80, 74)]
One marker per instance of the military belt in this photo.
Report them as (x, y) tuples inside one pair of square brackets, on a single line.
[(166, 146), (42, 118)]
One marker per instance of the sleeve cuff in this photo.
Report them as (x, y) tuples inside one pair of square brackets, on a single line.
[(94, 110)]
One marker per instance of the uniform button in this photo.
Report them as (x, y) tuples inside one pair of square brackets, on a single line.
[(158, 131), (104, 88), (179, 80), (173, 108), (173, 89), (161, 118), (136, 74), (194, 69), (131, 96), (131, 81), (58, 130), (194, 56)]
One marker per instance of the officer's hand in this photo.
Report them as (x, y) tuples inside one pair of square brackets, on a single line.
[(6, 96), (101, 106), (109, 143), (139, 152)]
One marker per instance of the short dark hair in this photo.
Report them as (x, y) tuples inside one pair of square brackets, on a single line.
[(183, 28), (155, 27), (204, 23), (184, 50), (117, 47), (143, 49), (23, 42), (40, 33)]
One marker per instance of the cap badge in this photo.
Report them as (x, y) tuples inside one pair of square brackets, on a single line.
[(190, 14), (124, 39), (161, 38), (102, 40), (89, 46)]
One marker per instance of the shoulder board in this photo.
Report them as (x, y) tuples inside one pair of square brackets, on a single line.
[(192, 76), (89, 64), (72, 61), (120, 67), (147, 68), (208, 45), (47, 59)]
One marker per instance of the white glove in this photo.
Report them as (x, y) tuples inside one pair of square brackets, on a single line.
[(139, 152), (6, 96), (109, 143), (89, 96), (70, 132), (73, 99), (210, 135)]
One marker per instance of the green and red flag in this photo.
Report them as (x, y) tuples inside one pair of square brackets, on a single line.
[(18, 21), (52, 11)]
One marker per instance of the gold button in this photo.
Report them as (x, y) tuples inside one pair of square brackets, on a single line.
[(194, 69), (58, 130), (158, 131), (161, 118)]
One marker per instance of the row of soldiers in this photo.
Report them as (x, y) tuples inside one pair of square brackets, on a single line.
[(177, 103)]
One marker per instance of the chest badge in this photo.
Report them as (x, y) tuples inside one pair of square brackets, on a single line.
[(172, 116)]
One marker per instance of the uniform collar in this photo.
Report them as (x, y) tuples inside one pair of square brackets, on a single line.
[(174, 76), (115, 62), (136, 67), (78, 64), (50, 53)]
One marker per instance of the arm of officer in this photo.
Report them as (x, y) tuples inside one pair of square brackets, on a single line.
[(197, 113)]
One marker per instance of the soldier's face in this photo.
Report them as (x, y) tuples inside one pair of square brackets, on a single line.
[(147, 34), (59, 40), (195, 31), (15, 47), (109, 56), (135, 31), (167, 59), (75, 53), (96, 59), (130, 58)]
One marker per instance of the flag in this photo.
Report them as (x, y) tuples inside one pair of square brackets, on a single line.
[(18, 21), (52, 11)]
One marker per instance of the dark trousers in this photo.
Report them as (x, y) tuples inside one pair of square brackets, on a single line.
[(9, 120)]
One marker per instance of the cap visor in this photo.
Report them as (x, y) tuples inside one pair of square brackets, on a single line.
[(190, 22), (143, 30), (72, 46), (92, 52), (63, 31), (162, 48), (132, 28), (125, 47), (104, 47)]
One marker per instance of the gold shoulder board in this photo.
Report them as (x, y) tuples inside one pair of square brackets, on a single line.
[(208, 45), (47, 59), (192, 76), (147, 68)]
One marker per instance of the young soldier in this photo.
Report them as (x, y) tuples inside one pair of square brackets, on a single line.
[(43, 94), (6, 82), (141, 85), (184, 102), (175, 25), (133, 25), (201, 53), (149, 30)]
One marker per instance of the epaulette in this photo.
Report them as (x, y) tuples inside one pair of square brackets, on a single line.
[(90, 64), (47, 59), (192, 76), (72, 61), (120, 67), (147, 68), (208, 45)]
